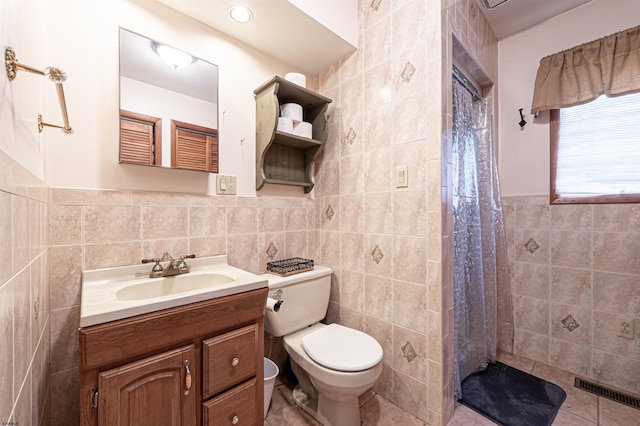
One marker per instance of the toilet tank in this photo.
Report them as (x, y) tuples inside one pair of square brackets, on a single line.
[(305, 299)]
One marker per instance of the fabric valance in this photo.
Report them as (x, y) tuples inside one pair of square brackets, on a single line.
[(610, 66)]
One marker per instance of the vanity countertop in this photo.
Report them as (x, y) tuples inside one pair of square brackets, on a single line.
[(115, 293)]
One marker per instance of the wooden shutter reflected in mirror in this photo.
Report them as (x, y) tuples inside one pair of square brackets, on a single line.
[(140, 139), (194, 147)]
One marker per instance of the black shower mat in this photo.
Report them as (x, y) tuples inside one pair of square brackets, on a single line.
[(511, 397)]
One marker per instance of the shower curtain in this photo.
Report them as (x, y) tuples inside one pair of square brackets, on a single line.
[(483, 315)]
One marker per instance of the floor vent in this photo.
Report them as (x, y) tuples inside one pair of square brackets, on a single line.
[(608, 393)]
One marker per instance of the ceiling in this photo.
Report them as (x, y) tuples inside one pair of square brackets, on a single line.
[(278, 28), (310, 47), (139, 62), (513, 16)]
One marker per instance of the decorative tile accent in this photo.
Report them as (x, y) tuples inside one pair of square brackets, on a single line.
[(329, 213), (36, 305), (570, 323), (375, 5), (532, 246), (377, 254), (351, 136), (408, 352), (272, 250), (407, 72), (473, 10)]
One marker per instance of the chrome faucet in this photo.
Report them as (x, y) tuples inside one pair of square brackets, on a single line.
[(175, 266)]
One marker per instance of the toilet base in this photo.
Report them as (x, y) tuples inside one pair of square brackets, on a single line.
[(329, 396), (329, 412), (302, 400)]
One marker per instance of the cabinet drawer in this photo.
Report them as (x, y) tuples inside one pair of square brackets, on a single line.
[(229, 359), (234, 407)]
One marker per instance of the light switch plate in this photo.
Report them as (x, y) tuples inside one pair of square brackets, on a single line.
[(402, 176), (225, 185)]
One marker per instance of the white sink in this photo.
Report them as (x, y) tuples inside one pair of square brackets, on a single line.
[(171, 285), (114, 293)]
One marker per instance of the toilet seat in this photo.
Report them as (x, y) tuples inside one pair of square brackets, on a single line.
[(357, 350)]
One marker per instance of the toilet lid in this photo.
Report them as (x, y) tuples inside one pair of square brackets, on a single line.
[(342, 348)]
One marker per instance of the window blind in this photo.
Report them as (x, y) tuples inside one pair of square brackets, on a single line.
[(599, 148)]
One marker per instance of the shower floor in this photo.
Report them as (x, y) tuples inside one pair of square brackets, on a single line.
[(580, 408)]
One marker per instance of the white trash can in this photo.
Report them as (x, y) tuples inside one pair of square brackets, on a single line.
[(270, 373)]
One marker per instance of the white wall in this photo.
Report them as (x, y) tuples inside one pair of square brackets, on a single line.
[(524, 154), (343, 23), (21, 28), (82, 39)]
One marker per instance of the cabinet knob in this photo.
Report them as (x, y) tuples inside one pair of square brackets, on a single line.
[(234, 362), (235, 420)]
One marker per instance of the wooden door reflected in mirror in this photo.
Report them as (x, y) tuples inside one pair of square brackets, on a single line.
[(168, 110)]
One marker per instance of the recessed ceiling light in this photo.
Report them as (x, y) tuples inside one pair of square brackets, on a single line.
[(240, 13), (173, 57)]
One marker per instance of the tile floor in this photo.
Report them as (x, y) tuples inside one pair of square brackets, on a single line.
[(580, 408)]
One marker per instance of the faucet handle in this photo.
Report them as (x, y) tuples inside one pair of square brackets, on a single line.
[(157, 268), (182, 264)]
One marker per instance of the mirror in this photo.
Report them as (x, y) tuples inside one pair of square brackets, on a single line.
[(168, 110)]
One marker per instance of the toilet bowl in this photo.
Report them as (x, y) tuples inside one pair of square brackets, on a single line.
[(336, 390), (334, 364)]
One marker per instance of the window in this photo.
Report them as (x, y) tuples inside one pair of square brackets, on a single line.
[(595, 151)]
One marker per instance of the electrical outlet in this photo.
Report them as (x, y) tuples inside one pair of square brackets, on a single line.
[(225, 185), (625, 329)]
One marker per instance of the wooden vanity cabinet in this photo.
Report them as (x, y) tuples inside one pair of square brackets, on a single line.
[(198, 364)]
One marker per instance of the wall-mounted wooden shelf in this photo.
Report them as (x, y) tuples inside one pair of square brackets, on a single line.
[(284, 158)]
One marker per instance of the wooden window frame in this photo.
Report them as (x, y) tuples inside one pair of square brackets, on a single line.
[(156, 124), (555, 197), (211, 165)]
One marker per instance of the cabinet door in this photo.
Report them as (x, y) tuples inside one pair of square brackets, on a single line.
[(154, 391), (194, 147), (140, 139)]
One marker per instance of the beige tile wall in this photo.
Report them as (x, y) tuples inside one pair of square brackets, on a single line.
[(476, 48), (92, 229), (385, 243), (24, 298), (380, 240), (576, 262)]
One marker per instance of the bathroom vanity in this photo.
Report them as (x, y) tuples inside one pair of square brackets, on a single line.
[(199, 363)]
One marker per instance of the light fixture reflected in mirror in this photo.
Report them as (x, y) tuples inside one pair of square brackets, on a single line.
[(240, 13), (162, 108), (175, 58)]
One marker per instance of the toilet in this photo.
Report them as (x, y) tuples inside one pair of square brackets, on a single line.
[(334, 364)]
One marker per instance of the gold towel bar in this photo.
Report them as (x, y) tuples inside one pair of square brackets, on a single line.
[(55, 74)]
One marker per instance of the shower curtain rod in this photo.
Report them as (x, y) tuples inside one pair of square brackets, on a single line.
[(459, 75)]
